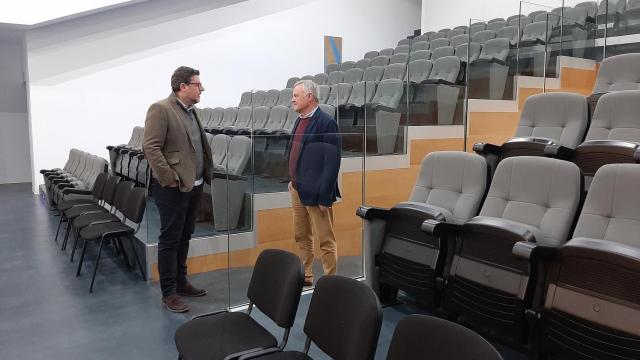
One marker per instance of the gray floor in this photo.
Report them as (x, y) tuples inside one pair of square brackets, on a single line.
[(48, 313)]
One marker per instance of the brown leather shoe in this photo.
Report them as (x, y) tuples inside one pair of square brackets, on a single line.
[(189, 291), (174, 304)]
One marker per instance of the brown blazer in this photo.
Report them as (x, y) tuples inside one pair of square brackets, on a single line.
[(167, 145)]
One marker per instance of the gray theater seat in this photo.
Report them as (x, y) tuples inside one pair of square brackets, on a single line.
[(616, 73), (320, 78), (419, 45), (510, 33), (276, 121), (449, 188), (532, 15), (331, 68), (532, 202), (419, 71), (405, 42), (482, 36), (495, 20), (614, 132), (363, 63), (245, 99), (455, 32), (361, 93), (497, 25), (271, 98), (242, 123), (346, 65), (395, 71), (339, 94), (520, 22), (402, 49), (442, 52), (462, 52), (284, 99), (434, 44), (258, 98), (459, 40), (437, 35), (477, 27), (307, 77), (591, 6), (353, 75), (401, 58), (422, 38), (292, 81), (420, 55), (532, 44), (550, 18), (591, 293), (386, 52), (323, 93), (385, 107), (228, 119), (371, 54), (463, 27), (491, 65), (335, 77), (445, 72), (381, 60)]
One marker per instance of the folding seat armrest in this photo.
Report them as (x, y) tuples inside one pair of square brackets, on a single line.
[(71, 190), (486, 149), (45, 171), (260, 353), (438, 82), (372, 212), (124, 150), (110, 147), (559, 152), (60, 181), (440, 228), (140, 156), (505, 230), (64, 186), (384, 108), (533, 252), (220, 175)]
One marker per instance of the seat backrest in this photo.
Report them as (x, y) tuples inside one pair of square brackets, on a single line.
[(120, 195), (386, 52), (420, 55), (552, 19), (320, 78), (404, 42), (276, 285), (216, 116), (277, 117), (573, 16), (219, 146), (389, 93), (477, 27), (371, 54), (615, 6), (307, 77), (420, 45), (446, 68), (362, 92), (373, 73), (284, 99), (455, 181), (444, 30), (463, 54), (446, 340), (329, 109), (259, 117), (258, 97), (331, 68), (344, 318), (510, 33), (353, 75), (245, 99), (619, 72), (135, 205), (434, 44), (495, 49), (380, 60), (346, 65), (394, 71), (363, 63), (402, 49), (339, 94), (442, 52), (497, 25), (243, 118), (616, 117), (591, 6), (423, 37), (522, 22), (335, 77), (463, 27), (238, 155), (459, 40), (536, 191), (437, 35), (323, 93), (536, 31), (291, 120), (401, 58), (495, 20), (110, 188), (419, 70), (455, 32), (533, 14), (292, 81), (561, 117), (632, 4), (482, 36), (98, 184)]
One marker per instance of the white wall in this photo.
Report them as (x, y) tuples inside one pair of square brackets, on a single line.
[(15, 163), (439, 14), (89, 88)]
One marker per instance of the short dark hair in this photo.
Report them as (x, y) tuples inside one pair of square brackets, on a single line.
[(182, 75)]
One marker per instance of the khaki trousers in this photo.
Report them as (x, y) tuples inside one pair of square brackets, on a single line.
[(309, 224)]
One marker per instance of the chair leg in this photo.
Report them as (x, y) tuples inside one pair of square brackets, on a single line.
[(125, 255), (84, 250), (75, 243), (66, 236), (95, 268), (59, 225), (135, 253)]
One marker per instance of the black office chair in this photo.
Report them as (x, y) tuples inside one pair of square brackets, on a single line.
[(275, 288), (422, 336), (343, 320)]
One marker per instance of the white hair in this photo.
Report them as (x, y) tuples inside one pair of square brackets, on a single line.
[(309, 87)]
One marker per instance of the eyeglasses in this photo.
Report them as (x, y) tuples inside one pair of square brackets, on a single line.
[(197, 83)]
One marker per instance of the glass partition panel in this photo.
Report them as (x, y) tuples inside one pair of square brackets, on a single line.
[(536, 27), (265, 196)]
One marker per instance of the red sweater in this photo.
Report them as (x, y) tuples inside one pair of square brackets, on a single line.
[(296, 146)]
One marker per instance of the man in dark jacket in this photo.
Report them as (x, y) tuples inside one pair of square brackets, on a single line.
[(314, 162)]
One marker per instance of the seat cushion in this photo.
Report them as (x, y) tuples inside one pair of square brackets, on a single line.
[(85, 220), (76, 211), (216, 336), (66, 205), (94, 232)]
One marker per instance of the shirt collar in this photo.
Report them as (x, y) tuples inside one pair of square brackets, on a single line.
[(310, 114), (185, 107)]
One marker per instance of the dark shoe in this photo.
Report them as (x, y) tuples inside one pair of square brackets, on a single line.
[(174, 304), (308, 283), (189, 291)]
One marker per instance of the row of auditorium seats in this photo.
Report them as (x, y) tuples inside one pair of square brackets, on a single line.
[(127, 160), (343, 321), (491, 245), (269, 98)]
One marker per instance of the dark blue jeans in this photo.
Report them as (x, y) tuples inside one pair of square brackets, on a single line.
[(178, 212)]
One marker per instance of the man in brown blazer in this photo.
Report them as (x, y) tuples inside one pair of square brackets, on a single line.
[(176, 148)]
